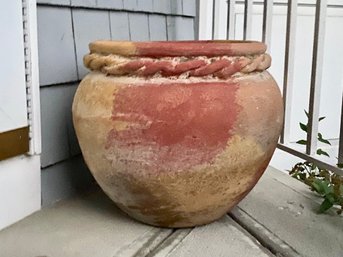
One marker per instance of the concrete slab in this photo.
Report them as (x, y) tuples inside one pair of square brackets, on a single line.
[(223, 238), (279, 212), (85, 226), (287, 209)]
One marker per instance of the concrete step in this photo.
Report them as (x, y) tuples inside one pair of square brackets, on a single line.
[(93, 226), (222, 238), (282, 213), (278, 218), (84, 226)]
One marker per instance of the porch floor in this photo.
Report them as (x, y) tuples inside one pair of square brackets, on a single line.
[(277, 218)]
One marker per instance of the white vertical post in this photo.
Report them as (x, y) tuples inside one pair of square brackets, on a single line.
[(267, 21), (289, 67), (205, 19), (248, 5), (340, 145), (35, 141), (231, 19), (316, 76), (220, 19)]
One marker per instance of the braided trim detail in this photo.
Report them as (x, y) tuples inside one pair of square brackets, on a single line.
[(221, 67)]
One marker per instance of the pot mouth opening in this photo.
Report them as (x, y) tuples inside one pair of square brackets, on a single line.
[(187, 48)]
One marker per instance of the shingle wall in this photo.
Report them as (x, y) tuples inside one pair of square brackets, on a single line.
[(65, 27)]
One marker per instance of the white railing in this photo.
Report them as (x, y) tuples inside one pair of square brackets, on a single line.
[(212, 11)]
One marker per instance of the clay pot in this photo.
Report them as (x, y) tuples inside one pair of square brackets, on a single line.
[(177, 133)]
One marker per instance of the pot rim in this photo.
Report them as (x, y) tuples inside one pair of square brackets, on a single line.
[(209, 48)]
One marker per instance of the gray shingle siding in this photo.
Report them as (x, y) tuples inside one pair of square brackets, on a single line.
[(56, 46), (65, 27), (157, 27), (178, 28), (119, 25), (64, 179), (139, 27), (59, 142), (89, 25), (175, 7)]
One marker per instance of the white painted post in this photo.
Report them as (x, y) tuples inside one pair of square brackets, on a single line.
[(33, 83), (316, 76), (205, 19), (220, 19), (289, 67), (267, 21)]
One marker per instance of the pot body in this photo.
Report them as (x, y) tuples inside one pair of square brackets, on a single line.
[(177, 152)]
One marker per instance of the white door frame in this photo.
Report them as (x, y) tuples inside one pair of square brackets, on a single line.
[(20, 183)]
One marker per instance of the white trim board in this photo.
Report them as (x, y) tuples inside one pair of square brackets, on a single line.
[(20, 181), (20, 189)]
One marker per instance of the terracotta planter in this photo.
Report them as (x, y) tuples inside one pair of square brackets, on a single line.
[(177, 133)]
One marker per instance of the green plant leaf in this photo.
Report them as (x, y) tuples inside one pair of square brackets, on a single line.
[(302, 142), (322, 152), (320, 118), (318, 186), (324, 182), (323, 187), (326, 204), (331, 197), (321, 139), (303, 126)]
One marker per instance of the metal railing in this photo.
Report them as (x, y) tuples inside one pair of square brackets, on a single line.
[(316, 70)]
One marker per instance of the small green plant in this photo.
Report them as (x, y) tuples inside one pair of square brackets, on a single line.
[(322, 181)]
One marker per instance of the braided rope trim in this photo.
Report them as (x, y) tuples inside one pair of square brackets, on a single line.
[(221, 67)]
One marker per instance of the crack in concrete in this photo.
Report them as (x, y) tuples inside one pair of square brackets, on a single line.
[(264, 236)]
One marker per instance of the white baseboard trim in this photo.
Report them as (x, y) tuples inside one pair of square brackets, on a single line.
[(20, 188)]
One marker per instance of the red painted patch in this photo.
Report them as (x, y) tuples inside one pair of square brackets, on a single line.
[(228, 71), (210, 68), (183, 124)]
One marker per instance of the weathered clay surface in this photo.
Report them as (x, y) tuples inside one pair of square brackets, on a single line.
[(177, 151)]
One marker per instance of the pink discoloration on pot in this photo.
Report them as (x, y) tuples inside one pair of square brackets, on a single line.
[(177, 151), (195, 118)]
